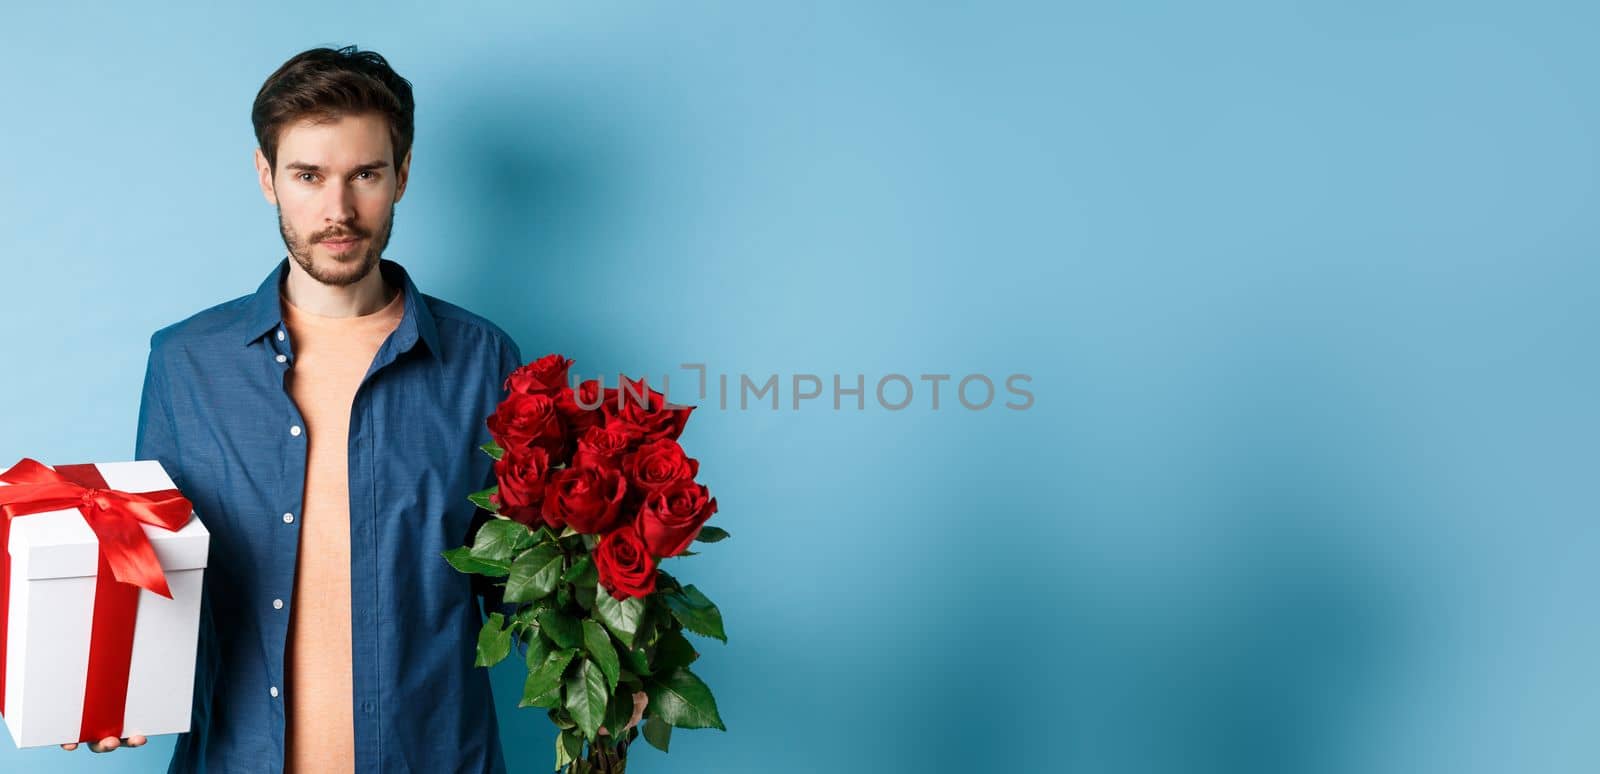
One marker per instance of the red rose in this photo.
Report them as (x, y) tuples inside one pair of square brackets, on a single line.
[(545, 376), (603, 446), (636, 404), (587, 499), (581, 407), (523, 420), (658, 463), (626, 568), (521, 472), (672, 517)]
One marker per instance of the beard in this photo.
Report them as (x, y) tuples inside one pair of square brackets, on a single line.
[(337, 270)]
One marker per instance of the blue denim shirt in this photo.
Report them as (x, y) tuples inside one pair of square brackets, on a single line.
[(217, 413)]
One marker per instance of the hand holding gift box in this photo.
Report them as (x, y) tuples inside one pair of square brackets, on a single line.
[(100, 583)]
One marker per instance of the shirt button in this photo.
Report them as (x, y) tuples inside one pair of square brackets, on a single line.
[(282, 358), (277, 604), (274, 691), (280, 335), (288, 518), (367, 706), (294, 430)]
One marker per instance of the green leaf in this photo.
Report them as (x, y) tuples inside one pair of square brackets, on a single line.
[(500, 539), (680, 698), (621, 616), (637, 660), (493, 450), (598, 643), (710, 534), (657, 732), (568, 532), (568, 747), (463, 560), (528, 615), (481, 499), (585, 596), (619, 710), (534, 574), (582, 573), (539, 649), (674, 651), (494, 642), (696, 613), (586, 697), (650, 627), (665, 582), (525, 615), (561, 628), (550, 699), (545, 679)]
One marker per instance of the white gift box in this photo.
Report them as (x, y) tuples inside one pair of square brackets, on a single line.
[(54, 563)]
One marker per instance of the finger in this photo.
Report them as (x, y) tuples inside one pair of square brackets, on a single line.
[(106, 745), (640, 699), (135, 740), (71, 746)]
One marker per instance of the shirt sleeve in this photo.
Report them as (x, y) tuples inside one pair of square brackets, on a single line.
[(156, 437)]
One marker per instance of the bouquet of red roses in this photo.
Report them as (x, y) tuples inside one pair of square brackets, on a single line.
[(592, 492)]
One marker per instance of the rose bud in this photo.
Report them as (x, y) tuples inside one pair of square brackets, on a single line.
[(672, 517), (656, 464), (545, 376), (528, 420), (624, 565), (521, 475), (603, 446), (581, 408), (587, 499), (647, 409)]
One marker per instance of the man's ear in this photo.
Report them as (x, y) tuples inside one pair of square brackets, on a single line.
[(401, 175), (264, 175)]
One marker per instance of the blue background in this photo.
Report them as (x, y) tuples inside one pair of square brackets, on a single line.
[(1307, 292)]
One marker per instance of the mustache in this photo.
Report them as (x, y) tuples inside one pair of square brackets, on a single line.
[(340, 235)]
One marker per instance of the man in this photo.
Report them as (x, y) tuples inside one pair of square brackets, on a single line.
[(326, 428)]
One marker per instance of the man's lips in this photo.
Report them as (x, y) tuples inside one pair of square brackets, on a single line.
[(340, 245)]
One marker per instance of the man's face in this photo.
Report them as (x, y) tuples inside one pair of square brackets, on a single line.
[(335, 187)]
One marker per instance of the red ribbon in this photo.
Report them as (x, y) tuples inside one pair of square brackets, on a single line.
[(127, 563)]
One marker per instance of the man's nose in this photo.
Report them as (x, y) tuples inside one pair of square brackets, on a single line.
[(338, 204)]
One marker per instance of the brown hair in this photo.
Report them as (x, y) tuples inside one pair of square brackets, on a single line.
[(324, 84)]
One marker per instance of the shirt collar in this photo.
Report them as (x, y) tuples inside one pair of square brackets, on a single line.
[(264, 312)]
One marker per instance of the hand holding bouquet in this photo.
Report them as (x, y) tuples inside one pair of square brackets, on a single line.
[(593, 492)]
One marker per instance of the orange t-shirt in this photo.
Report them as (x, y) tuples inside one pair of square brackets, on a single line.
[(331, 355)]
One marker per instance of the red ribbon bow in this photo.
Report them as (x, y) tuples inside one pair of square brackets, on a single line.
[(125, 554), (114, 516)]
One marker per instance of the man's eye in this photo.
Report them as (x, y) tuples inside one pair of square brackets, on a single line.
[(303, 175), (366, 172)]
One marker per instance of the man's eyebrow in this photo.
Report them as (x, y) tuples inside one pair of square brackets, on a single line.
[(302, 166)]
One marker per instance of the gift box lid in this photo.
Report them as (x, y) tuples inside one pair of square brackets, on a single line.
[(60, 544)]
